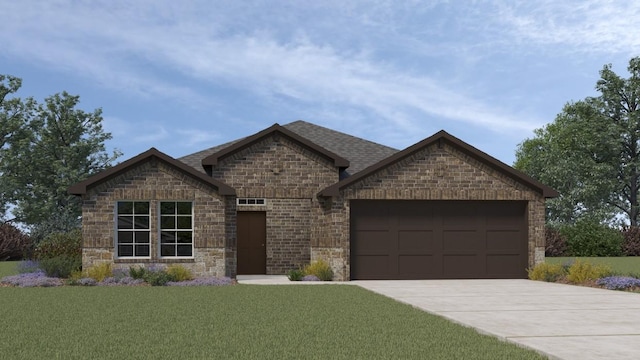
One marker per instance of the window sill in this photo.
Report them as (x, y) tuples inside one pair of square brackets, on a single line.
[(154, 261)]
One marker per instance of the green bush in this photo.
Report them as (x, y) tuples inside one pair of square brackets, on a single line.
[(295, 275), (321, 269), (137, 272), (153, 276), (588, 238), (547, 272), (61, 266), (582, 271), (178, 272), (158, 278), (60, 244)]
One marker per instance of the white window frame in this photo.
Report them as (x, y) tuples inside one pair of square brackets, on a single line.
[(251, 201), (133, 229), (175, 229)]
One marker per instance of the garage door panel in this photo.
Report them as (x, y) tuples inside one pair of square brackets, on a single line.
[(372, 242), (371, 266), (502, 266), (466, 240), (375, 216), (460, 266), (415, 266), (415, 241), (503, 240), (401, 239), (505, 214)]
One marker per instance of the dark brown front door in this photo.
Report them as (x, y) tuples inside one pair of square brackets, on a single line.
[(252, 238), (438, 239)]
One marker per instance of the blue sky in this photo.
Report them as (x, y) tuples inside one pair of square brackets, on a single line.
[(183, 76)]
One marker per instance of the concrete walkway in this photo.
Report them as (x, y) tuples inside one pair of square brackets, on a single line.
[(562, 321)]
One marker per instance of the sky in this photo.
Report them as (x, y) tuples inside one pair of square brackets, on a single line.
[(183, 76)]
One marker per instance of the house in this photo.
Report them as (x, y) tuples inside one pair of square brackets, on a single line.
[(291, 194)]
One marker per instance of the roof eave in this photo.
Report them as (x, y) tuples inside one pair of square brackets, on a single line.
[(212, 160), (82, 187)]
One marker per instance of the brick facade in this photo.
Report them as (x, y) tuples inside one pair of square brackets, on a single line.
[(155, 181), (434, 173), (301, 225), (288, 176)]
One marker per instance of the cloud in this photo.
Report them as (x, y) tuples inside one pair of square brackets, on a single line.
[(589, 26), (145, 47)]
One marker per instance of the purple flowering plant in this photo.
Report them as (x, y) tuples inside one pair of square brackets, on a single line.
[(205, 281), (310, 278), (28, 266), (33, 279), (619, 282)]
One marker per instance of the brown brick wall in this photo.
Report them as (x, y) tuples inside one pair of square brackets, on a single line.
[(431, 174), (155, 181), (288, 176), (276, 168)]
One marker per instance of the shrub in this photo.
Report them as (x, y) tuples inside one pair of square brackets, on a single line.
[(179, 273), (547, 272), (310, 278), (60, 244), (320, 269), (158, 278), (137, 272), (631, 242), (555, 242), (619, 282), (208, 281), (14, 244), (34, 279), (28, 266), (588, 238), (295, 275), (114, 281), (153, 275), (60, 266), (99, 272), (582, 271)]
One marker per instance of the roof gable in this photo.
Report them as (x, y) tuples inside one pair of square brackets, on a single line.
[(439, 138), (276, 129), (82, 187)]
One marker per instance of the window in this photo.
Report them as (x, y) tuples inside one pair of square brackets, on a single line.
[(176, 229), (251, 201), (132, 239)]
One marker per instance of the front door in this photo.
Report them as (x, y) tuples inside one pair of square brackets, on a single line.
[(252, 238)]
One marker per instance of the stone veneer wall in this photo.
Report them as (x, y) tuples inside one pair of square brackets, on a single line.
[(434, 173), (289, 176), (155, 181)]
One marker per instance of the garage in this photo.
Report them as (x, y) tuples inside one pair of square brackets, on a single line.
[(415, 239)]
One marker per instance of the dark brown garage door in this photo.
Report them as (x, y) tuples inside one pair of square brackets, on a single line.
[(438, 239)]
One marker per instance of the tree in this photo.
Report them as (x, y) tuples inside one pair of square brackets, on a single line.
[(58, 145), (591, 153), (14, 113)]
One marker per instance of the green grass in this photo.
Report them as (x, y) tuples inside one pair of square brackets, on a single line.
[(629, 265), (232, 322), (8, 268)]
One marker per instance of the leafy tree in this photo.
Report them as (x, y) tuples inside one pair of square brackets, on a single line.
[(591, 153), (58, 145), (14, 114)]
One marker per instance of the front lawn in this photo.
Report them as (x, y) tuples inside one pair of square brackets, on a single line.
[(8, 268), (231, 322), (620, 265)]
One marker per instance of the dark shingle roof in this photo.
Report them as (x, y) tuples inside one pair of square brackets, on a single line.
[(360, 153)]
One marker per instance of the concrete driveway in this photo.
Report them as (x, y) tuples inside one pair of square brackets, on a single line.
[(562, 321)]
